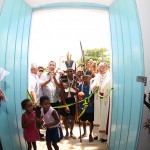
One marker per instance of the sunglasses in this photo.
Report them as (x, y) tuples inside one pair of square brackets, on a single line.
[(40, 70)]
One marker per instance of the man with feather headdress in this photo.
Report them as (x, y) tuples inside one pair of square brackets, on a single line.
[(67, 94)]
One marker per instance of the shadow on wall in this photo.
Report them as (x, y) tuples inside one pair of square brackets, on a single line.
[(1, 148), (146, 124)]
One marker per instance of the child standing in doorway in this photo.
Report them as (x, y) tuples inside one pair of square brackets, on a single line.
[(31, 134), (51, 122), (89, 107)]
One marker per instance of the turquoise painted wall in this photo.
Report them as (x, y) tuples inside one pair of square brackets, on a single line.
[(127, 62), (15, 21)]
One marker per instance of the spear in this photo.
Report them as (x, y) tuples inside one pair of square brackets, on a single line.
[(84, 68), (83, 57), (77, 105)]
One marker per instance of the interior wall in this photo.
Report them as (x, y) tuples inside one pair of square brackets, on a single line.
[(127, 63), (143, 11), (15, 20)]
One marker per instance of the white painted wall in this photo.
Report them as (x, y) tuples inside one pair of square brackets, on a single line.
[(144, 11), (37, 3), (1, 5)]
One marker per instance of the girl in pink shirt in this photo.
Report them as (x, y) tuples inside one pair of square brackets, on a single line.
[(30, 132)]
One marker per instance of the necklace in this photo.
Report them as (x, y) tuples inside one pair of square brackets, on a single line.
[(102, 82), (70, 86), (103, 76)]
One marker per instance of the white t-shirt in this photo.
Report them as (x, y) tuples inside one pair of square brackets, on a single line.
[(51, 90), (34, 85), (48, 118)]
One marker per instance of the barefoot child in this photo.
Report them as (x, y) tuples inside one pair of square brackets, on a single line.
[(31, 134), (52, 123), (89, 109)]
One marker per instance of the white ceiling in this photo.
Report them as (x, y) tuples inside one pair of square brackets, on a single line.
[(38, 3)]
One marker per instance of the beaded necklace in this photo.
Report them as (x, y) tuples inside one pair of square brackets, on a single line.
[(70, 85)]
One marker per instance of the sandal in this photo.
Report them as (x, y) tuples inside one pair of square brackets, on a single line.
[(66, 136), (103, 140), (83, 136), (90, 138), (96, 138), (73, 137)]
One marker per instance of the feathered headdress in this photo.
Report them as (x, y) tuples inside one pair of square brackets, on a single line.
[(69, 63)]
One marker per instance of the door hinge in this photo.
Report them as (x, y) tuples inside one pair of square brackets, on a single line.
[(141, 79)]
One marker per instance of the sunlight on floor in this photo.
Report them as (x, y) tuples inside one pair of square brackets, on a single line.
[(71, 144)]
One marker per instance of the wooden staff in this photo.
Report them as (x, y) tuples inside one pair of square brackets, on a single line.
[(83, 57), (84, 68), (77, 112)]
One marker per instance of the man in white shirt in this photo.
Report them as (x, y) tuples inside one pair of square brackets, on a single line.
[(39, 74), (102, 100), (51, 84), (34, 89), (33, 83)]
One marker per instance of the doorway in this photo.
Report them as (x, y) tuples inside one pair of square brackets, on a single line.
[(55, 32), (127, 63)]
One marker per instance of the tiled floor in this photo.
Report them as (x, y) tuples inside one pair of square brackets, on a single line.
[(72, 144)]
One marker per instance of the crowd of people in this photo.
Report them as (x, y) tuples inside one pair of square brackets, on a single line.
[(55, 94)]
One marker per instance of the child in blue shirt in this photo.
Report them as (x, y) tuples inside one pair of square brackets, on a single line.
[(89, 110)]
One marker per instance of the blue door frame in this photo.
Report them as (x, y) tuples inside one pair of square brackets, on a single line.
[(127, 64)]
